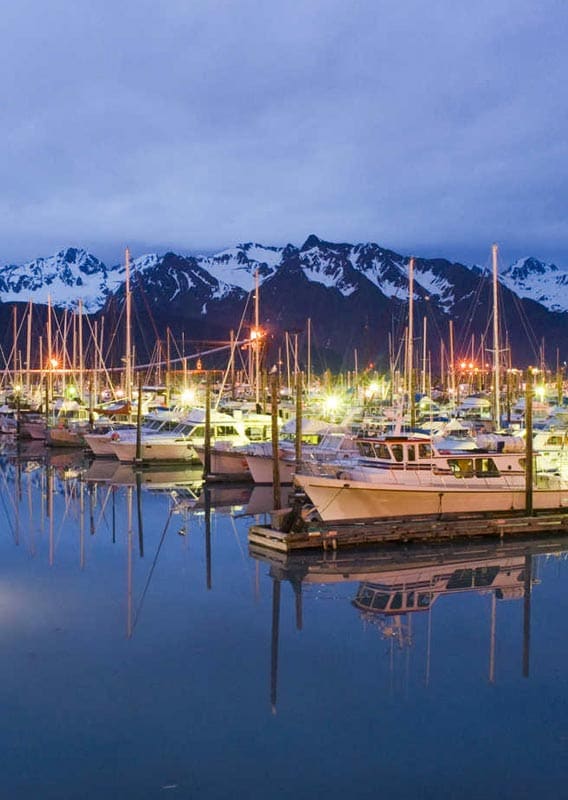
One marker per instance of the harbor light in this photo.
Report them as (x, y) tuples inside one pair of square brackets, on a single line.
[(188, 397), (331, 403)]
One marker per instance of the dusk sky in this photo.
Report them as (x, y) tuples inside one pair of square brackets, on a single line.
[(429, 127)]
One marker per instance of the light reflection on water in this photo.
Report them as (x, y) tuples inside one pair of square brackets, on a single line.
[(148, 652)]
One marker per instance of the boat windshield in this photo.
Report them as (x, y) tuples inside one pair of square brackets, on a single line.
[(473, 467)]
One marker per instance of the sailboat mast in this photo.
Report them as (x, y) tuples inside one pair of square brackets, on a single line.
[(410, 343), (256, 340), (496, 358), (127, 365)]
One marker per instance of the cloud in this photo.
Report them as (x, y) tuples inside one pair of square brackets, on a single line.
[(435, 128)]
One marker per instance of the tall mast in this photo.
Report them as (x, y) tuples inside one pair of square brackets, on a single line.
[(29, 350), (309, 367), (256, 340), (496, 354), (15, 344), (127, 365), (453, 368), (80, 332), (410, 343), (424, 362)]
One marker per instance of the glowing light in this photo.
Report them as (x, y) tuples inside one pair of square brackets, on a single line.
[(331, 403), (188, 397), (53, 363), (540, 392), (17, 388), (256, 333), (371, 389), (71, 391)]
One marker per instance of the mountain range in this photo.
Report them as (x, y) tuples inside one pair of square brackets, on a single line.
[(354, 294)]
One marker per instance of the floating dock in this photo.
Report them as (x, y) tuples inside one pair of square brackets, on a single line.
[(404, 529)]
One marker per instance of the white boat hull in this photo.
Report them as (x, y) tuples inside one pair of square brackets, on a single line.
[(231, 463), (261, 468), (100, 444), (154, 451), (344, 499)]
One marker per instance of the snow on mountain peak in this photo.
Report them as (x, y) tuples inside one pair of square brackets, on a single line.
[(536, 280), (65, 278), (74, 274)]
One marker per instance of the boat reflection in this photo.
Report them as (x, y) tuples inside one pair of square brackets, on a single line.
[(396, 584)]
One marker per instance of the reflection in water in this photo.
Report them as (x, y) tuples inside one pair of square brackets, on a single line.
[(140, 633), (396, 584), (62, 487)]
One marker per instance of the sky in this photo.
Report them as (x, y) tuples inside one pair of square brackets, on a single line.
[(433, 128)]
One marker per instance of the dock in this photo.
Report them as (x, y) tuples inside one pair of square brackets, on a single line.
[(405, 529)]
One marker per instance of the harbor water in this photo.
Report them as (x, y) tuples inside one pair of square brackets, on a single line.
[(149, 653)]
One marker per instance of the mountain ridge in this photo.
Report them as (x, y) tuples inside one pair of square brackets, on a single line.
[(356, 293)]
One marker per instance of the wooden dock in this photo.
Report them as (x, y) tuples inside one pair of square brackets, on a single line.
[(406, 529)]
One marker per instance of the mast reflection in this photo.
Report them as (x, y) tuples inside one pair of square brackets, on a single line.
[(396, 585)]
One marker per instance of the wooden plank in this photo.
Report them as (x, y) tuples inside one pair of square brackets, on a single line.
[(406, 529)]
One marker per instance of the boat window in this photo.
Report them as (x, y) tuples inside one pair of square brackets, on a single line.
[(484, 576), (396, 602), (397, 452), (424, 600), (424, 450), (257, 434), (380, 601), (411, 453), (410, 600), (470, 578), (486, 468), (461, 467), (365, 596), (554, 440), (225, 430), (382, 451), (365, 449)]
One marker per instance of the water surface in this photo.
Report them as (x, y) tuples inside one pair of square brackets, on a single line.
[(148, 654)]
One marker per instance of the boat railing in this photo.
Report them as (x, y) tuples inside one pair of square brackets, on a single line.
[(425, 478)]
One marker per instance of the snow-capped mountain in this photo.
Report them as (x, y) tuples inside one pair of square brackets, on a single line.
[(544, 283), (63, 279), (74, 274), (355, 292)]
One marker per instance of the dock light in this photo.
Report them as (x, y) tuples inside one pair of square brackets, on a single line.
[(53, 363), (540, 391), (71, 392), (371, 390), (188, 397), (17, 388), (331, 403), (256, 333)]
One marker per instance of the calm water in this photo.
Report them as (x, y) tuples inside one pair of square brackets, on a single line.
[(148, 654)]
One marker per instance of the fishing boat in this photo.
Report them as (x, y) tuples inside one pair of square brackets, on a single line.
[(397, 476)]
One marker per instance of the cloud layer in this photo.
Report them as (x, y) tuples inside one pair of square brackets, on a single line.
[(429, 127)]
